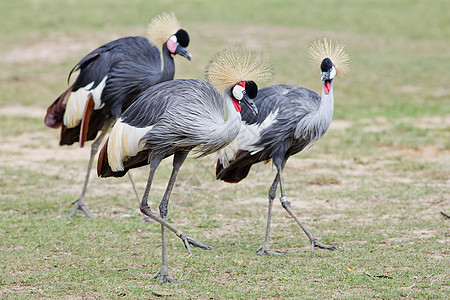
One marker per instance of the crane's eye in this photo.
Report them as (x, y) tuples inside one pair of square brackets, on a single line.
[(238, 92)]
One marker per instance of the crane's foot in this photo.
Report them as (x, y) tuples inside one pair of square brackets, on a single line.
[(190, 241), (265, 251), (316, 243), (165, 278), (79, 205)]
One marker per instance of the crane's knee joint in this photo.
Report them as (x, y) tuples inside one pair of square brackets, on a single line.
[(144, 208), (272, 195)]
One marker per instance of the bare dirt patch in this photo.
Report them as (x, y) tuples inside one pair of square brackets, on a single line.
[(56, 48)]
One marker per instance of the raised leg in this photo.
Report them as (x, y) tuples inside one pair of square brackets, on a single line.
[(79, 203), (287, 206)]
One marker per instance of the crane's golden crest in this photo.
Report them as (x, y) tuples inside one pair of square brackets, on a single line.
[(231, 66), (162, 27), (321, 49)]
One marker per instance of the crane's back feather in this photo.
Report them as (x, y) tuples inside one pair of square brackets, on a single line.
[(175, 115)]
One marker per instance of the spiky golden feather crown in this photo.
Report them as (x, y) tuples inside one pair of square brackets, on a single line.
[(321, 49), (162, 27), (231, 66)]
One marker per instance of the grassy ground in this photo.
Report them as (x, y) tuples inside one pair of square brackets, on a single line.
[(374, 186)]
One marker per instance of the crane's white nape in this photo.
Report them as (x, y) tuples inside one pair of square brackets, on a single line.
[(124, 141), (77, 102), (321, 49), (162, 28)]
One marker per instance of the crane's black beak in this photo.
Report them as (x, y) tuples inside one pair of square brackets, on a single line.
[(183, 52), (250, 104)]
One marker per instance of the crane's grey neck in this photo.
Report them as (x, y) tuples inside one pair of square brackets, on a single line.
[(168, 68), (326, 108), (314, 125)]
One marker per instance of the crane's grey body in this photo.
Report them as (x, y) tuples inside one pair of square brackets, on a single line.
[(176, 117), (180, 115), (290, 119), (171, 118), (301, 118)]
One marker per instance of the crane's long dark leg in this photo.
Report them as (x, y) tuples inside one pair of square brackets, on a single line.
[(264, 249), (178, 160), (79, 203), (287, 206), (145, 209)]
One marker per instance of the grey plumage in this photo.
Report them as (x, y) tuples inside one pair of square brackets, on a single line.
[(184, 114), (110, 79), (298, 122), (290, 119), (175, 117)]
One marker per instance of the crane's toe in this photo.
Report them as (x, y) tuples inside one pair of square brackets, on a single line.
[(79, 205), (316, 243), (190, 241), (165, 278)]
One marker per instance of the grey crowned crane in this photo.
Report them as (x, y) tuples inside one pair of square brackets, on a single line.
[(110, 78), (175, 117), (290, 119)]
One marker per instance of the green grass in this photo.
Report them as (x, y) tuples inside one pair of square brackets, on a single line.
[(374, 186)]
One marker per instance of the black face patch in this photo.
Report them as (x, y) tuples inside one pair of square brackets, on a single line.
[(326, 65), (251, 89), (182, 38)]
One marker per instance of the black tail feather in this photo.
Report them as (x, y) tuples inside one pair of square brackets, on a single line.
[(238, 168)]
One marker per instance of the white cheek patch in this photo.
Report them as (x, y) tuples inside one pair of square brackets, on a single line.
[(238, 92), (333, 72)]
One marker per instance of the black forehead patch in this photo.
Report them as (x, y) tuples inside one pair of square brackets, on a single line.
[(251, 88), (326, 65), (182, 38)]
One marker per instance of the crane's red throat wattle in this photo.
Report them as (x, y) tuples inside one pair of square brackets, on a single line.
[(327, 86), (236, 104)]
